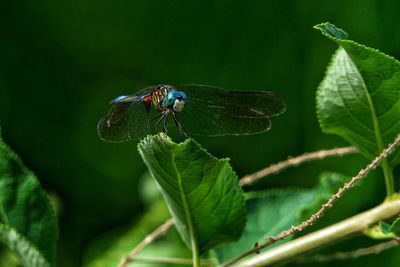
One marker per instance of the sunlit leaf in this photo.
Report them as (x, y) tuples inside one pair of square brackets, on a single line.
[(359, 98), (202, 192)]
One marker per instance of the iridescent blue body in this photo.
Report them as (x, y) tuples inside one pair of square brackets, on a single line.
[(202, 110)]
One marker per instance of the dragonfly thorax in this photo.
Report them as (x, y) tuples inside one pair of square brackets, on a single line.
[(175, 100)]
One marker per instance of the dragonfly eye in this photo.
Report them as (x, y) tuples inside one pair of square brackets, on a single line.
[(180, 101), (181, 96)]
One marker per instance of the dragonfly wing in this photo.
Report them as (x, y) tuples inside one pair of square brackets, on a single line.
[(214, 111), (126, 120)]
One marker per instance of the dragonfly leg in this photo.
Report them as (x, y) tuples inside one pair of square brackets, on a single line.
[(153, 119), (178, 124), (161, 117), (165, 122)]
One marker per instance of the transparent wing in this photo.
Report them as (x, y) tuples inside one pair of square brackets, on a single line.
[(214, 111), (127, 119)]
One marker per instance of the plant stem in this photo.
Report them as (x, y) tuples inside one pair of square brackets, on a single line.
[(174, 261), (162, 229), (389, 181), (338, 231), (314, 217), (295, 161), (195, 253), (346, 255)]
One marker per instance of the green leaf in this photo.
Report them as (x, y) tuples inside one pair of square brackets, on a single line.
[(26, 215), (202, 192), (395, 227), (384, 227), (28, 254), (359, 98), (274, 211), (389, 230)]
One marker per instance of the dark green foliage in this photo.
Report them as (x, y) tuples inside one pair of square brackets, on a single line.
[(28, 225)]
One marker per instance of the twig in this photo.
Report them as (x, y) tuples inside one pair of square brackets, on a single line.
[(296, 161), (325, 236), (175, 261), (155, 234), (294, 229), (375, 249)]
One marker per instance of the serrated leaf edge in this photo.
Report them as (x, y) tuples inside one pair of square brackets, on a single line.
[(24, 239)]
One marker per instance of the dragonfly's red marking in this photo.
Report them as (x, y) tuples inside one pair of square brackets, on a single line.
[(147, 102)]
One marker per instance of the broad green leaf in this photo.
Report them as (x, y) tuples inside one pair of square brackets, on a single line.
[(27, 253), (274, 211), (202, 192), (26, 215), (359, 98)]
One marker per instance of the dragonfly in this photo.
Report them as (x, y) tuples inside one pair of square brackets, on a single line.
[(191, 109)]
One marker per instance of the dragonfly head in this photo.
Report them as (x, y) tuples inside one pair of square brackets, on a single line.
[(175, 100)]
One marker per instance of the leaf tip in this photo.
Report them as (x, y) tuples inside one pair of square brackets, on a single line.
[(331, 31)]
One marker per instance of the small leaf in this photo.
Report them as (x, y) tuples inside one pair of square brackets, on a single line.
[(26, 215), (359, 98), (28, 254), (395, 227), (384, 227), (274, 211), (202, 192)]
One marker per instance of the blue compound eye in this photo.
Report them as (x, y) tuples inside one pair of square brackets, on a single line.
[(175, 100), (181, 95), (180, 101)]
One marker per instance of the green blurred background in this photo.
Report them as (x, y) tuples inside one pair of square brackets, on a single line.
[(62, 61)]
